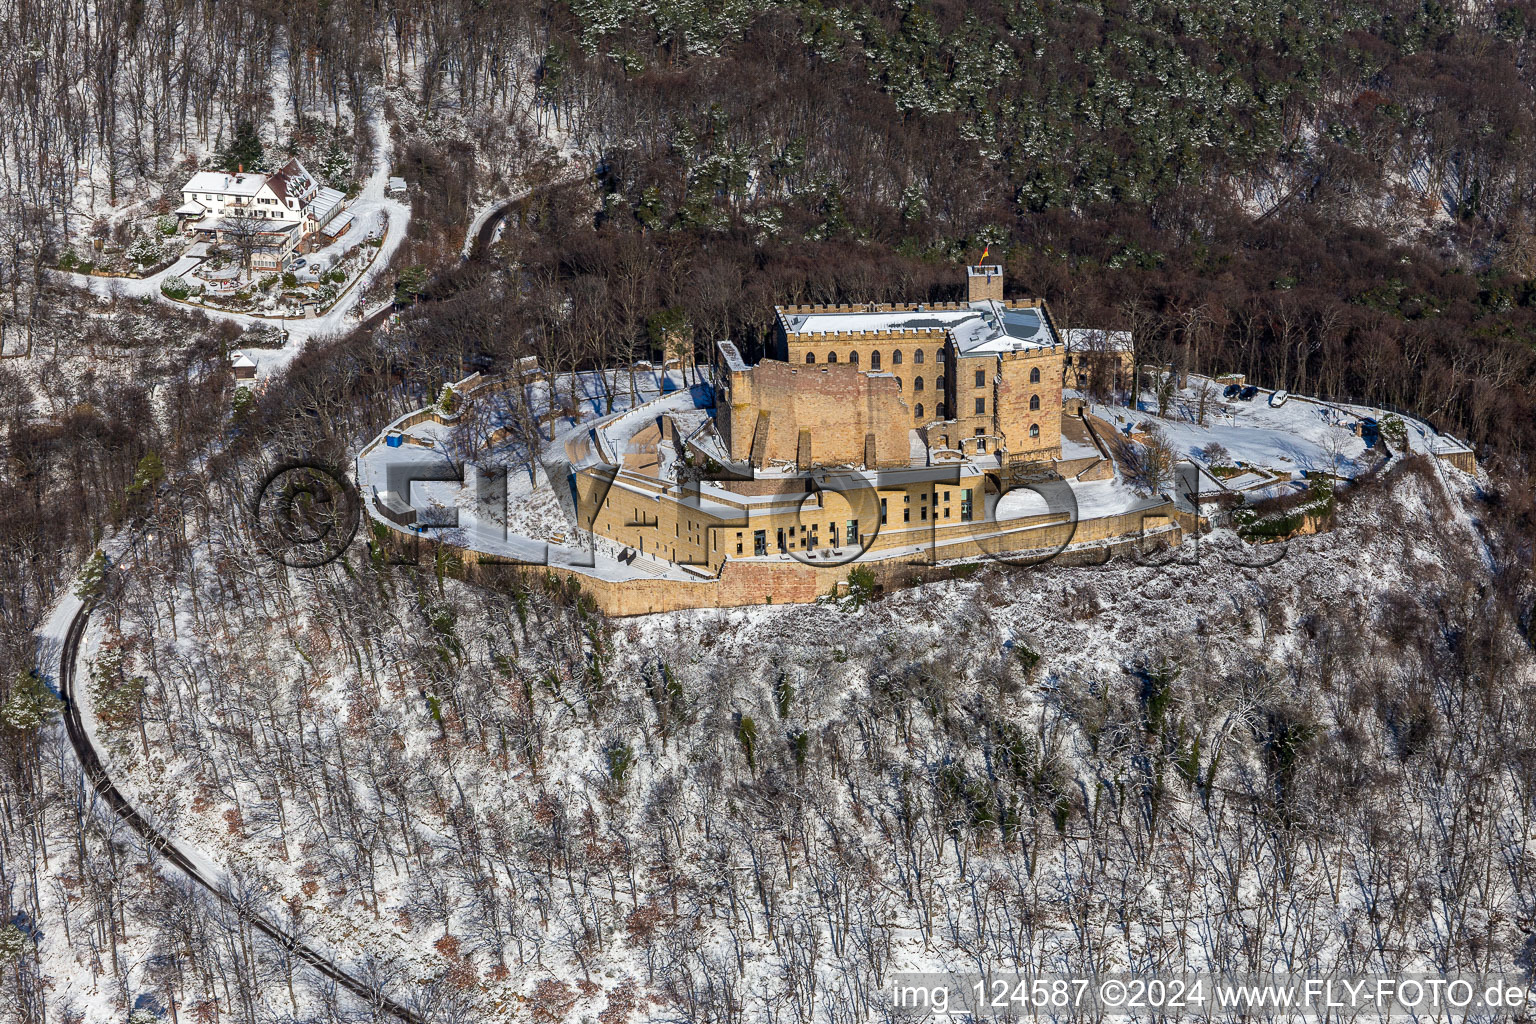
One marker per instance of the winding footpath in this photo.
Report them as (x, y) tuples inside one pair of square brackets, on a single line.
[(59, 648)]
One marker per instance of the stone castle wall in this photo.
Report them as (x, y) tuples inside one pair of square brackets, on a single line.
[(742, 583), (836, 405)]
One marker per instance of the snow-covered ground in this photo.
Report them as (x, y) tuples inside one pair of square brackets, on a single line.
[(920, 726), (1297, 437)]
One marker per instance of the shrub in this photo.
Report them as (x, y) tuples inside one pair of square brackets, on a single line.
[(175, 287), (268, 282), (69, 260), (861, 586), (746, 735), (1395, 432), (290, 279), (166, 224), (621, 757)]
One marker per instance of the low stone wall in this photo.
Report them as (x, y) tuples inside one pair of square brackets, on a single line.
[(743, 583)]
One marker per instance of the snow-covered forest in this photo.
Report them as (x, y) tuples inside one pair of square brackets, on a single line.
[(479, 799), (488, 797)]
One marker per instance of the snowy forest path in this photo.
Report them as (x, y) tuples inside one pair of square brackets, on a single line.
[(91, 764)]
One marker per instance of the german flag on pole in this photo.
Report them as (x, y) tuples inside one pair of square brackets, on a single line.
[(984, 250)]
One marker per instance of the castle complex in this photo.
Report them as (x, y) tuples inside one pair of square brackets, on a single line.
[(884, 438), (878, 428), (885, 435)]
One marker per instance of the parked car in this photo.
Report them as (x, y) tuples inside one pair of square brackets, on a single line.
[(1247, 393), (1231, 390), (296, 264), (1279, 398)]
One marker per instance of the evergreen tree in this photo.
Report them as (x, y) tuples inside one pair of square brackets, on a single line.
[(91, 576), (31, 703), (149, 472), (13, 943), (243, 150)]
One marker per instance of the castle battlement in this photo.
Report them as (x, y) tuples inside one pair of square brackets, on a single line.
[(874, 334), (811, 309)]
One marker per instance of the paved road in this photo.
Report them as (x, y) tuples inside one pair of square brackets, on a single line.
[(482, 229), (90, 763)]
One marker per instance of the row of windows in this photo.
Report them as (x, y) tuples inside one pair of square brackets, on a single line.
[(874, 358), (906, 512), (917, 357), (850, 535), (938, 410)]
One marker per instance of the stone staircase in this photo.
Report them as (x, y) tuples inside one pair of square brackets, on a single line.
[(648, 566)]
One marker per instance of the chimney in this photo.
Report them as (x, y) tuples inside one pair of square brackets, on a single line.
[(984, 281)]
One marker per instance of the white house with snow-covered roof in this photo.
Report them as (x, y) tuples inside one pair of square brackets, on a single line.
[(294, 203)]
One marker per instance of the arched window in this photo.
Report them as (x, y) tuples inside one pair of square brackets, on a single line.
[(1034, 375), (896, 358), (831, 357), (938, 383), (917, 385), (1034, 403), (874, 360), (917, 356), (938, 411), (919, 410), (853, 357), (1034, 430), (810, 357)]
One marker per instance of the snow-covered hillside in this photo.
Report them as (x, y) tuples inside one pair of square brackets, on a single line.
[(508, 808)]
